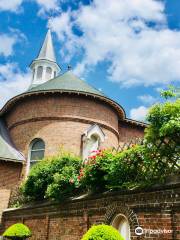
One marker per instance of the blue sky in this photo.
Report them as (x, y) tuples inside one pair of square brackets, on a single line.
[(130, 49)]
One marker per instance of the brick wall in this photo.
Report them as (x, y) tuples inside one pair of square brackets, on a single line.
[(60, 121), (155, 209), (10, 173), (4, 200), (128, 131), (56, 134), (56, 105)]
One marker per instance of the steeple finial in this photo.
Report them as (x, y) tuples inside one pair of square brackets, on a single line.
[(47, 49)]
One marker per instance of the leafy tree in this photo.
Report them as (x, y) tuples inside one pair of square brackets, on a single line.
[(162, 138), (171, 92)]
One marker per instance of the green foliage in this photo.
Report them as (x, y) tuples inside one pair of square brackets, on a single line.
[(17, 231), (169, 93), (129, 169), (93, 175), (52, 178), (162, 138), (164, 122), (102, 232)]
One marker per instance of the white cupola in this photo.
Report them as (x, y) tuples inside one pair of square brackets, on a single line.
[(44, 67)]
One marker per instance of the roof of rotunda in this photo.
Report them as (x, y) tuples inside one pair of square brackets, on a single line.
[(67, 82)]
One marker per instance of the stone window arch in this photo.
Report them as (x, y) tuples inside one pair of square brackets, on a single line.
[(92, 139), (36, 151), (121, 223), (48, 73), (39, 72)]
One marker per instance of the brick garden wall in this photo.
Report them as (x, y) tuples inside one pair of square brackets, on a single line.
[(154, 209)]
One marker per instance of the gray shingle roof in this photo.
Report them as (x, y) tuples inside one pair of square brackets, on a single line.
[(67, 82), (7, 150)]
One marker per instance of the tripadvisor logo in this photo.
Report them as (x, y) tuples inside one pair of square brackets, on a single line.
[(139, 231)]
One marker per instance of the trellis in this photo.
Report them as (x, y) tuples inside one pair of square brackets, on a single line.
[(127, 145), (168, 158)]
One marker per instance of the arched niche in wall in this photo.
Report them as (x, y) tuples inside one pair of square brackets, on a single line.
[(122, 217), (121, 223), (92, 139)]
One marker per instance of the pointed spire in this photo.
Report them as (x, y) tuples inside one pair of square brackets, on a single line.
[(45, 67), (47, 49)]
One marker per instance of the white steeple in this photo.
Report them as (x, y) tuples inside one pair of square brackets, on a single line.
[(44, 67), (47, 49)]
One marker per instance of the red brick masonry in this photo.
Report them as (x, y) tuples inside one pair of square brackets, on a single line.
[(155, 209), (10, 173)]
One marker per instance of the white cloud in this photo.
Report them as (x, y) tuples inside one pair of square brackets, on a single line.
[(8, 41), (15, 5), (147, 99), (11, 5), (12, 81), (139, 113), (48, 5), (133, 36)]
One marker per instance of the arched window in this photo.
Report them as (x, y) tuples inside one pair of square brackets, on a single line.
[(121, 223), (48, 73), (37, 148), (39, 72), (54, 74)]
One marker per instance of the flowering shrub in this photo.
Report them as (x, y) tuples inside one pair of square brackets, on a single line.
[(129, 169), (94, 171), (53, 178)]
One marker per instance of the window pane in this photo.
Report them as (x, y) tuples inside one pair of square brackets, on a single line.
[(38, 145), (37, 155), (39, 72), (48, 73)]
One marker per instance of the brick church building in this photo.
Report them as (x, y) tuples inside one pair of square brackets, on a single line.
[(58, 110), (63, 111)]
